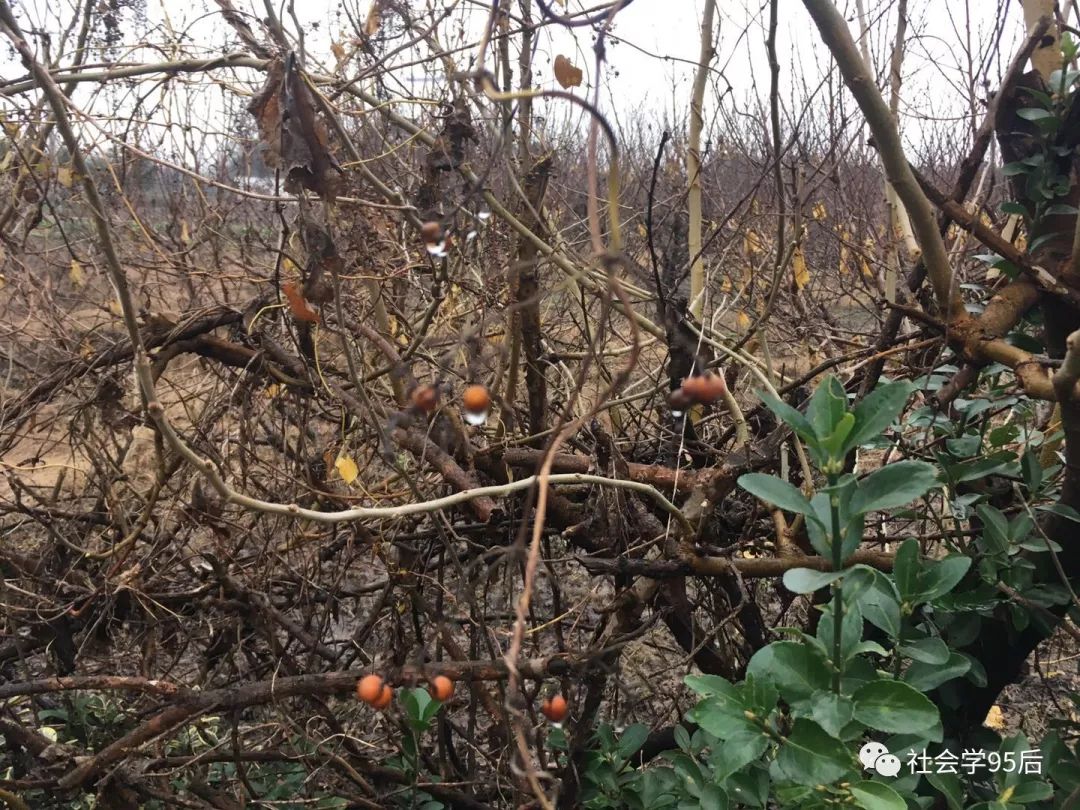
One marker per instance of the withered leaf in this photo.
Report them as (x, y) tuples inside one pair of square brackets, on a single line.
[(566, 74), (374, 18), (293, 133), (299, 307), (448, 151)]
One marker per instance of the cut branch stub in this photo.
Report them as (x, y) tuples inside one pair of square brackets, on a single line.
[(293, 135)]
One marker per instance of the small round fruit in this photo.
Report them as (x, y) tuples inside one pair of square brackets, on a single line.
[(714, 386), (704, 388), (693, 388), (369, 687), (678, 400), (425, 398), (431, 232), (476, 398), (441, 688), (554, 709), (477, 401), (384, 698)]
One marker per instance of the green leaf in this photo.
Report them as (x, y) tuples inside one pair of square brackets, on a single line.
[(1061, 208), (736, 751), (995, 532), (1031, 469), (1034, 113), (1014, 208), (876, 796), (811, 756), (927, 650), (682, 737), (893, 485), (949, 786), (942, 576), (875, 412), (796, 670), (807, 580), (925, 676), (415, 702), (792, 417), (712, 796), (834, 445), (831, 711), (850, 634), (827, 407), (632, 739), (1033, 791), (722, 714), (906, 568), (894, 707), (779, 493), (881, 607), (706, 685)]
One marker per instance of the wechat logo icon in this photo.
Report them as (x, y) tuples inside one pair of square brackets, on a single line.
[(876, 758)]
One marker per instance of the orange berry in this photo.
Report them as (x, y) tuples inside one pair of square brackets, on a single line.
[(425, 398), (368, 688), (554, 709), (476, 398), (715, 387), (679, 401), (704, 388), (431, 232), (384, 698), (441, 688)]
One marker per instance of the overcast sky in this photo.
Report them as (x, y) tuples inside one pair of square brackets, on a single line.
[(650, 58)]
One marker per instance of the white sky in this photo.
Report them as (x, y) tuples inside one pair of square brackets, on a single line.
[(638, 80)]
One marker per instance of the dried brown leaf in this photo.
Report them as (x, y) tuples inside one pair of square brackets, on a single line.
[(292, 131), (374, 18), (299, 307), (566, 74)]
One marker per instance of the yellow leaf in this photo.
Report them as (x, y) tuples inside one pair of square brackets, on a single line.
[(76, 274), (115, 308), (185, 234), (798, 265), (338, 50), (725, 285), (272, 390), (864, 266), (845, 258), (86, 351), (742, 320), (347, 469), (566, 74), (64, 176), (995, 719), (752, 243), (819, 213)]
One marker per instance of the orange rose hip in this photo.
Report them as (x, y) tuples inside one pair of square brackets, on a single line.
[(554, 708), (368, 688), (441, 688), (384, 698)]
